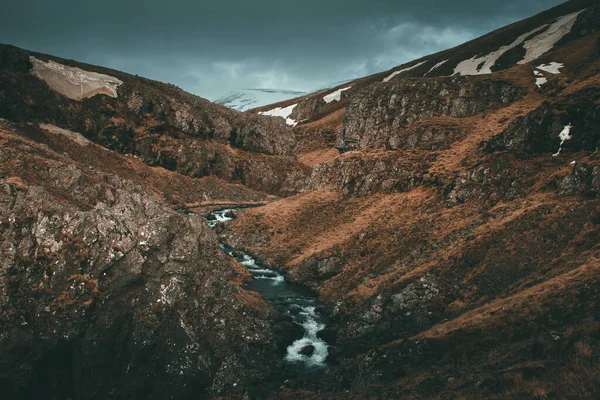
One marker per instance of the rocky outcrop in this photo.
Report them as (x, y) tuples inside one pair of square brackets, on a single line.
[(106, 291), (307, 108), (282, 176), (582, 179), (539, 131), (427, 135), (495, 180), (360, 174), (536, 132), (377, 116), (199, 118)]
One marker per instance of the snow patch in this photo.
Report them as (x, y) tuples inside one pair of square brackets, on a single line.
[(389, 78), (544, 42), (483, 65), (564, 136), (436, 66), (540, 82), (335, 96), (283, 112), (72, 82), (552, 68)]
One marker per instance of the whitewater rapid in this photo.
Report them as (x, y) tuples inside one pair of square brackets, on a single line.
[(294, 300)]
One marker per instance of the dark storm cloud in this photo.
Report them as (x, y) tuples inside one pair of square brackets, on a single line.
[(212, 47)]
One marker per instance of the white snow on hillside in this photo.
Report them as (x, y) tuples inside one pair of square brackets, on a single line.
[(553, 67), (564, 136), (534, 47), (247, 99), (470, 66), (284, 112), (544, 42), (436, 66), (73, 82), (540, 81), (335, 96), (389, 78)]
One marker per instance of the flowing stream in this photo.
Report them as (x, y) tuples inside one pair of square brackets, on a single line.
[(309, 352)]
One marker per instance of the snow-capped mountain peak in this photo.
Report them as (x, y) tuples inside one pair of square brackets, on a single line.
[(247, 99)]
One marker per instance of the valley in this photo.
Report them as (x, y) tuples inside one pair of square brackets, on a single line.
[(431, 231)]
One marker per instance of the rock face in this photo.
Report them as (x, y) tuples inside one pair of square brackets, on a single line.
[(105, 291), (377, 117), (538, 131), (359, 175), (583, 179), (277, 175), (307, 108), (493, 181)]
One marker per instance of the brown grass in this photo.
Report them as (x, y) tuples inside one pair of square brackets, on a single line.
[(583, 349), (528, 302), (318, 156)]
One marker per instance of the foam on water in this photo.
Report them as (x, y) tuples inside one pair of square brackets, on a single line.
[(276, 279), (297, 301), (220, 217), (309, 320)]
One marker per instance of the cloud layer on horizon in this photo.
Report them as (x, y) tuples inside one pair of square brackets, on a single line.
[(211, 48)]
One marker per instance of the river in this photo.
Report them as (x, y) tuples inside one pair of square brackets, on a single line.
[(308, 352)]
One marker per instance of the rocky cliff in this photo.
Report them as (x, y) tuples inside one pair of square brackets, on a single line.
[(108, 291)]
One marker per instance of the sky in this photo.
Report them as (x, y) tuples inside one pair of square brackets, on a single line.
[(211, 48)]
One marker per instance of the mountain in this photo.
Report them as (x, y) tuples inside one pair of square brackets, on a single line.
[(522, 43), (247, 99), (428, 232), (450, 222)]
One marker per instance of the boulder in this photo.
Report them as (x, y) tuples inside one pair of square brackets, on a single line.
[(308, 351)]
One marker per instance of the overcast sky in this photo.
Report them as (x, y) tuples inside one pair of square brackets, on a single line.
[(212, 47)]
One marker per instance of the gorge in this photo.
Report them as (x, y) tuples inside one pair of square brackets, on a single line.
[(431, 231), (309, 352)]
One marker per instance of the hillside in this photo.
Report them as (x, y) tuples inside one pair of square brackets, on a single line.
[(528, 42), (439, 223), (450, 223)]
